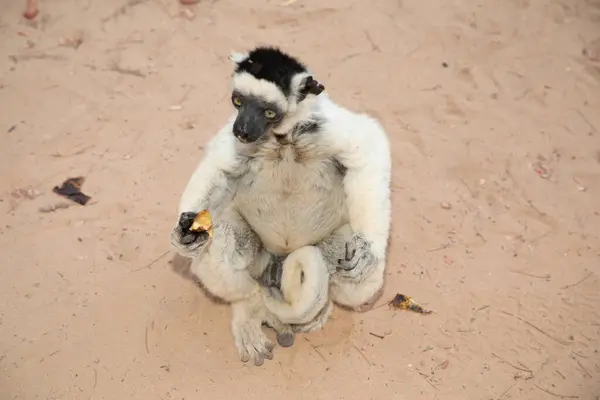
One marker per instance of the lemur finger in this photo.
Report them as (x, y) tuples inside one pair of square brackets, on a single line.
[(265, 349), (258, 360), (355, 268), (194, 238), (270, 345), (244, 357), (362, 265), (258, 357), (349, 263), (350, 251), (188, 238), (241, 346), (186, 220), (202, 236), (344, 265), (268, 355), (242, 342)]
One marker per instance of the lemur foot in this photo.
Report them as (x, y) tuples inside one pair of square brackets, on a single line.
[(252, 343)]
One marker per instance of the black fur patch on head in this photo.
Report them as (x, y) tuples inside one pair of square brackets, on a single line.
[(273, 65)]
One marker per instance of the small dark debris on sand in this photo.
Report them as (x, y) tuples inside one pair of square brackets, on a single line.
[(402, 302), (71, 190)]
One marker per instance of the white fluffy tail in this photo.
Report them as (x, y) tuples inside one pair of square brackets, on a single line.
[(305, 287)]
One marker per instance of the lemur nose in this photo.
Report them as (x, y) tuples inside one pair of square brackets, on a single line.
[(240, 132)]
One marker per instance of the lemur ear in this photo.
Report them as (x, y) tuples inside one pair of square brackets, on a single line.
[(310, 86), (237, 57)]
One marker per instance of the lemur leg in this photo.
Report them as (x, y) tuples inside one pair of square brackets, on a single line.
[(246, 326), (223, 261), (226, 265), (271, 278)]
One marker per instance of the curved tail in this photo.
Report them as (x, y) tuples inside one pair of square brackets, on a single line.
[(305, 287)]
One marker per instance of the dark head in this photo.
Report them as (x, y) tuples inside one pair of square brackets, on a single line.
[(268, 87)]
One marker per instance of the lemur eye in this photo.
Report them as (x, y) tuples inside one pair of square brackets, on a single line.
[(270, 114), (236, 101)]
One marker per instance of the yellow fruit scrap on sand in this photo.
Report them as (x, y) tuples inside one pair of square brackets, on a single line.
[(202, 223), (403, 302)]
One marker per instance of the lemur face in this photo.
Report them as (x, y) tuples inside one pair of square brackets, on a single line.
[(268, 85), (256, 116)]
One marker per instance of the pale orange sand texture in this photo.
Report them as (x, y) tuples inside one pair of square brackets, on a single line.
[(493, 109)]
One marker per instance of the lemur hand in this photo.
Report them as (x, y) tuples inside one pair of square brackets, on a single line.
[(186, 242), (358, 259)]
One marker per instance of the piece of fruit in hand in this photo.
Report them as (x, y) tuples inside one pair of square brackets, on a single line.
[(202, 223)]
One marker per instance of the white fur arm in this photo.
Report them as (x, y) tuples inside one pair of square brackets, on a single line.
[(362, 146), (219, 158)]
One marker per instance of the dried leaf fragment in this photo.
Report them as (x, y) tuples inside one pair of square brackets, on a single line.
[(403, 302), (202, 223), (71, 189)]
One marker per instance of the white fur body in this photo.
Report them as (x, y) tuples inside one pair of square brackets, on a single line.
[(289, 204), (289, 197), (292, 196)]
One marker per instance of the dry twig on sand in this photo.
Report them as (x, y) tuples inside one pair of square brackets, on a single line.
[(555, 394), (546, 276), (564, 343), (585, 278)]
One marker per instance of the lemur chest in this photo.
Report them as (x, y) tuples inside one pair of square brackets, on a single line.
[(291, 199)]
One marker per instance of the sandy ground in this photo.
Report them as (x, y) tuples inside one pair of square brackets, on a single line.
[(492, 108)]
